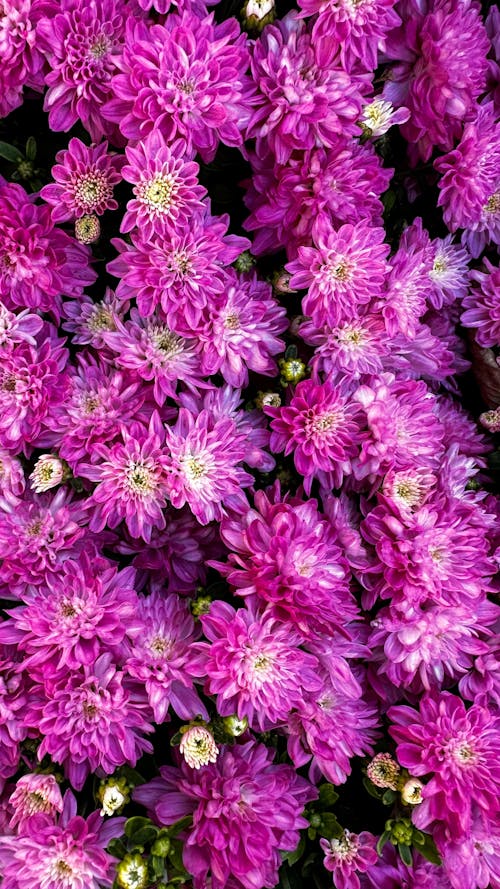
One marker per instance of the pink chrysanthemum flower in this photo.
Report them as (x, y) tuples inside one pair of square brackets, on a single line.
[(442, 74), (82, 42), (407, 490), (242, 331), (84, 180), (166, 191), (425, 646), (302, 100), (36, 535), (473, 860), (186, 79), (87, 607), (482, 683), (89, 721), (320, 427), (482, 306), (458, 748), (34, 794), (175, 559), (13, 700), (32, 382), (18, 328), (160, 655), (286, 556), (203, 464), (12, 480), (131, 481), (98, 401), (449, 273), (402, 425), (253, 665), (89, 320), (245, 811), (357, 29), (440, 554), (470, 181), (347, 267), (347, 855), (66, 855), (22, 61), (39, 262), (181, 272), (153, 352), (390, 872), (318, 189), (379, 115), (354, 346)]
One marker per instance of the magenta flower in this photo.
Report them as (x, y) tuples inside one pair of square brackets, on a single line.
[(37, 535), (203, 464), (166, 189), (87, 607), (286, 557), (82, 42), (40, 262), (181, 272), (32, 382), (89, 320), (442, 72), (348, 855), (186, 79), (253, 665), (346, 267), (12, 481), (482, 306), (303, 100), (470, 181), (472, 861), (131, 481), (242, 331), (21, 327), (449, 274), (89, 720), (317, 190), (22, 61), (160, 655), (320, 427), (13, 701), (153, 352), (84, 181), (63, 855), (98, 401), (358, 30), (245, 811), (354, 346), (458, 749), (34, 794)]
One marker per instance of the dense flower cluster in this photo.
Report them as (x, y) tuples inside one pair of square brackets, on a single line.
[(248, 532)]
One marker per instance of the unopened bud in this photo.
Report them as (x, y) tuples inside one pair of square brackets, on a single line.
[(292, 370), (411, 792), (234, 726), (256, 14), (198, 746), (132, 872), (49, 471), (268, 399)]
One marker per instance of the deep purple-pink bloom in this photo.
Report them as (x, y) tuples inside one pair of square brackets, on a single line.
[(84, 180)]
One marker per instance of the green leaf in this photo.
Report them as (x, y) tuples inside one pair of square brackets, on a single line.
[(388, 200), (175, 856), (429, 851), (291, 858), (9, 153), (389, 797), (133, 777), (405, 854), (157, 866), (330, 827), (382, 841), (311, 833), (117, 848), (31, 148), (370, 788), (327, 796), (140, 830), (418, 837), (180, 825)]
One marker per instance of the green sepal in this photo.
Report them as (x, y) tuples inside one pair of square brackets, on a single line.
[(175, 856), (405, 854), (157, 865), (140, 831), (327, 797), (389, 797), (383, 839), (117, 848), (30, 148)]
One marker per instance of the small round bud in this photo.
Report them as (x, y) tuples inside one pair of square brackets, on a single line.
[(491, 420), (161, 847), (132, 872), (113, 794), (25, 169), (234, 726), (49, 471), (268, 399), (383, 771), (87, 229), (281, 282), (401, 831), (315, 820), (244, 262), (198, 746), (411, 792), (293, 370), (201, 605), (256, 14)]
